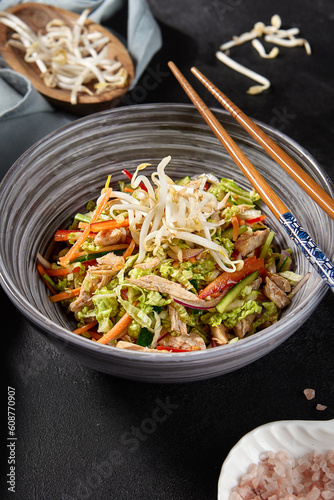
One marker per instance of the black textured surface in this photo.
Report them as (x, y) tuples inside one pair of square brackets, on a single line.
[(85, 435)]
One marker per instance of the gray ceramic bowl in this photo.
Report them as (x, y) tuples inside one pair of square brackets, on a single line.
[(54, 179)]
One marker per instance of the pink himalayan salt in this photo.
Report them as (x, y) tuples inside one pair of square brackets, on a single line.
[(309, 393), (320, 407), (278, 476)]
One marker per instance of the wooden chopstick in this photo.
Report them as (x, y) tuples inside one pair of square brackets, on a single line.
[(270, 198), (288, 164), (311, 251)]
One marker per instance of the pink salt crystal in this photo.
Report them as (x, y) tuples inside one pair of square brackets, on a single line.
[(314, 494), (330, 486), (327, 495), (305, 466), (320, 407), (279, 469), (307, 478), (255, 483), (302, 460), (309, 393), (235, 496), (282, 455)]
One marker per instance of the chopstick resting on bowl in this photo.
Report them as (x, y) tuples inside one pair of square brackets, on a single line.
[(320, 196), (312, 252)]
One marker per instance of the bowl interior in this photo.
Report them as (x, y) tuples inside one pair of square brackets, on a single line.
[(55, 178), (36, 16)]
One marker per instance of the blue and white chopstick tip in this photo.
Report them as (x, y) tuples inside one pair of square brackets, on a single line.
[(309, 248)]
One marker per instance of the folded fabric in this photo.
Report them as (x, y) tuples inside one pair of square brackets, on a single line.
[(101, 9), (25, 117), (18, 97)]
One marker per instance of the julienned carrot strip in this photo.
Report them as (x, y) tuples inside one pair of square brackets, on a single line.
[(71, 254), (73, 250), (130, 249), (85, 328), (65, 295), (58, 272), (110, 248), (116, 329), (42, 271), (128, 190), (101, 206), (235, 225), (104, 225)]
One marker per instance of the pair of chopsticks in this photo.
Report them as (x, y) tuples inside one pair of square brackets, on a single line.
[(312, 252)]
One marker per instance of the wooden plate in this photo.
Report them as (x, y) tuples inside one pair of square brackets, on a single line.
[(36, 16)]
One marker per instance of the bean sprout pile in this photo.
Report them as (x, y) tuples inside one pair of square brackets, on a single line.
[(171, 211), (68, 58)]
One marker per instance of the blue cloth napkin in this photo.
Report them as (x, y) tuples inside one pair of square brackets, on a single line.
[(25, 115)]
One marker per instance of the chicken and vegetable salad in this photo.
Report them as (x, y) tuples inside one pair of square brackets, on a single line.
[(170, 266)]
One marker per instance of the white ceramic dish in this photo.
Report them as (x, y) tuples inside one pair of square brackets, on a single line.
[(297, 437)]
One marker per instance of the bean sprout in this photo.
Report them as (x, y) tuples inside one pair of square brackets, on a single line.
[(172, 212), (272, 34), (68, 58)]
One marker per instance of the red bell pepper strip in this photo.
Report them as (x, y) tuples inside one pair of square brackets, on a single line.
[(227, 279), (256, 219), (129, 176), (63, 271), (171, 349)]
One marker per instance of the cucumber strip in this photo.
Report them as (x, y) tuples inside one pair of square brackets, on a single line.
[(285, 265), (228, 233), (184, 181), (145, 337), (235, 291), (266, 245), (50, 281), (82, 218), (96, 255)]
